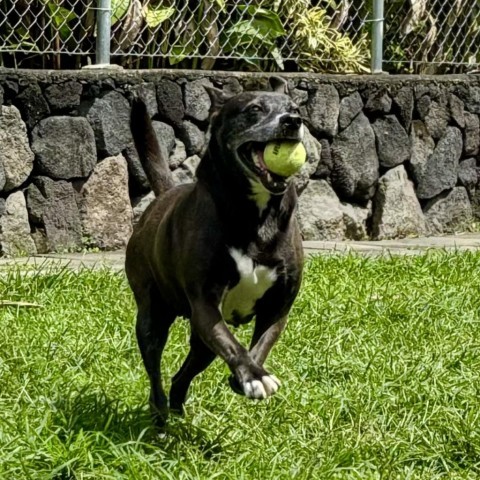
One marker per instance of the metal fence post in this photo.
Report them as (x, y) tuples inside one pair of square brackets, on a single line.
[(104, 24), (377, 36)]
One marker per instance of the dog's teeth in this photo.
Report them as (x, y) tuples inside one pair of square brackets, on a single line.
[(255, 159)]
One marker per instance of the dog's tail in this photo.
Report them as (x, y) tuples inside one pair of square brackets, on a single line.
[(153, 156)]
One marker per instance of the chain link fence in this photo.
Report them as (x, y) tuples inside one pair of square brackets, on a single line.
[(261, 35), (432, 36), (421, 36), (39, 33)]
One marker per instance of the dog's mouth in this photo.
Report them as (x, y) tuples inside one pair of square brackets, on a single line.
[(251, 155)]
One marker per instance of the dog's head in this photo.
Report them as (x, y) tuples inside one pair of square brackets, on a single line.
[(243, 124)]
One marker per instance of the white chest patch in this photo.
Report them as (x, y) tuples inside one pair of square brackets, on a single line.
[(260, 195), (255, 280)]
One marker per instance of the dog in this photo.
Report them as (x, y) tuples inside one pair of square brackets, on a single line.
[(219, 251)]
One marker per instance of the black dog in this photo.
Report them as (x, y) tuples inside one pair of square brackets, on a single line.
[(222, 250)]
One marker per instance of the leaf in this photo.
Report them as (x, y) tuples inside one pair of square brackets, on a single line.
[(221, 4), (255, 33), (119, 10), (179, 52), (6, 303), (60, 17), (266, 17), (155, 15)]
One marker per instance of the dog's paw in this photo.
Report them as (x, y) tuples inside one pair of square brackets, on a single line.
[(267, 386), (264, 388)]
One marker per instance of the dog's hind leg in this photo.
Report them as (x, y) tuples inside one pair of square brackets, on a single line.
[(198, 359), (153, 324)]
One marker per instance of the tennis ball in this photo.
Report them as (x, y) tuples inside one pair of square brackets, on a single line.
[(284, 158)]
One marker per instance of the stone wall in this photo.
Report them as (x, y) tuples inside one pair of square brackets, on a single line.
[(387, 156)]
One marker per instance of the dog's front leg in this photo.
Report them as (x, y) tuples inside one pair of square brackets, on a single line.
[(253, 380), (265, 335)]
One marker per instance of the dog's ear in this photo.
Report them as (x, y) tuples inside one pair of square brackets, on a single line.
[(278, 84), (217, 98)]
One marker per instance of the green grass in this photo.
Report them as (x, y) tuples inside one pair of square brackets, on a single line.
[(380, 366)]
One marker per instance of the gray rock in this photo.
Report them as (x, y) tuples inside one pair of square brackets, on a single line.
[(147, 93), (140, 204), (32, 105), (472, 134), (379, 102), (325, 166), (355, 161), (475, 201), (314, 149), (197, 102), (467, 174), (232, 86), (396, 210), (109, 116), (193, 138), (16, 157), (170, 102), (457, 113), (423, 106), (53, 210), (449, 212), (165, 135), (440, 170), (350, 107), (323, 109), (436, 120), (2, 173), (404, 102), (320, 214), (135, 169), (178, 156), (393, 144), (182, 176), (10, 85), (190, 165), (355, 218), (1, 95), (472, 102), (15, 238), (64, 96), (422, 148), (300, 97), (64, 147), (105, 209)]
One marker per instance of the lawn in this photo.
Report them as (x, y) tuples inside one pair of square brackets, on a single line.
[(380, 366)]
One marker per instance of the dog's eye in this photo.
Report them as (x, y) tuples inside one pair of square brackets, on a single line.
[(295, 110), (255, 109)]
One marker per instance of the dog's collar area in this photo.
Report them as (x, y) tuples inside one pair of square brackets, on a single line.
[(251, 156)]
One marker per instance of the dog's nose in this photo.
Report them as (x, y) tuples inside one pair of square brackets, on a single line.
[(291, 121)]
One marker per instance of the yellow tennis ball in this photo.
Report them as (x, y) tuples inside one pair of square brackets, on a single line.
[(285, 158)]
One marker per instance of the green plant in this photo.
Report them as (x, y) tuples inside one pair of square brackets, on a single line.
[(380, 365), (253, 36)]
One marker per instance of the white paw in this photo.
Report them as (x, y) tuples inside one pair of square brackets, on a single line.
[(262, 389)]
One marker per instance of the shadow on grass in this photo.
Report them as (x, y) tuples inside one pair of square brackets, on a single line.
[(83, 412)]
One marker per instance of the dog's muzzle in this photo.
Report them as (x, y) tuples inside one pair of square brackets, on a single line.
[(290, 127)]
